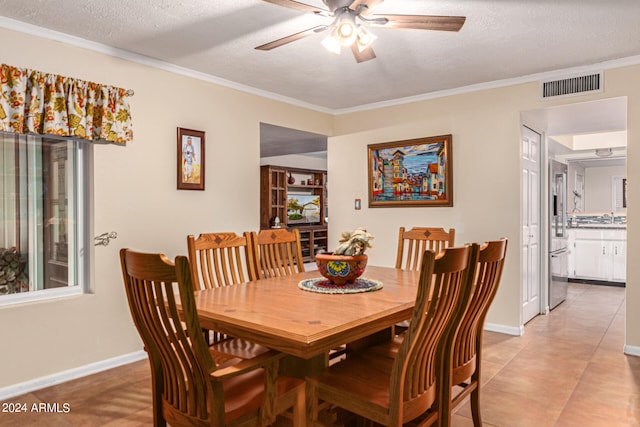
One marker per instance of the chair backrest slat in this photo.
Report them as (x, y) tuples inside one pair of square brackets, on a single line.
[(277, 252), (413, 243)]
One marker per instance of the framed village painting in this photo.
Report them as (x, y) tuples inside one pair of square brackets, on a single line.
[(416, 172), (190, 159)]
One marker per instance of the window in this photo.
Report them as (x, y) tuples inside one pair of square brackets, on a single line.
[(619, 191), (43, 206)]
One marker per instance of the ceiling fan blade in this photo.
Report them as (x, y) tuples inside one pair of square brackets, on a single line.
[(421, 22), (369, 3), (363, 56), (292, 38), (297, 5)]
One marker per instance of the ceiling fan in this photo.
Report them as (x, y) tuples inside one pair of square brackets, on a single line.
[(350, 21)]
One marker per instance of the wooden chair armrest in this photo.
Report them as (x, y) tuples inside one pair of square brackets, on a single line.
[(246, 365)]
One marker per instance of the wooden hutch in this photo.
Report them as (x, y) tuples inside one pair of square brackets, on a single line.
[(298, 198)]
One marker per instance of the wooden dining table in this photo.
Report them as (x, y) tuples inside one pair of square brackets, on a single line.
[(276, 313)]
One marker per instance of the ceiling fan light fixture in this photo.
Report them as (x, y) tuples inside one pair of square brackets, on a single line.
[(365, 38), (331, 44), (346, 31), (350, 17), (604, 152)]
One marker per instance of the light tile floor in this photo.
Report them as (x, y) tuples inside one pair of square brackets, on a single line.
[(567, 370)]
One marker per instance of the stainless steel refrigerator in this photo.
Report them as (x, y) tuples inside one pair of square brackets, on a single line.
[(558, 242)]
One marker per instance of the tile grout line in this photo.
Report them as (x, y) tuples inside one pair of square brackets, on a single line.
[(611, 320)]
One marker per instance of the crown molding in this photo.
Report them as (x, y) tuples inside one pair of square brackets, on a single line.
[(22, 27), (585, 69), (44, 33)]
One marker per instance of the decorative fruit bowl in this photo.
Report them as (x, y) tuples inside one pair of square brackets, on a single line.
[(341, 269)]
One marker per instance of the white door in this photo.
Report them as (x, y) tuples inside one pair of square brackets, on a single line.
[(531, 143)]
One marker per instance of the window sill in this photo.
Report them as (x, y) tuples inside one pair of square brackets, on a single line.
[(35, 296)]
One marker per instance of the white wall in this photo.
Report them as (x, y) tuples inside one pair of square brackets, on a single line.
[(598, 186), (575, 204), (296, 161), (486, 190)]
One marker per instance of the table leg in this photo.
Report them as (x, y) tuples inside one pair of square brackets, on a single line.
[(296, 367)]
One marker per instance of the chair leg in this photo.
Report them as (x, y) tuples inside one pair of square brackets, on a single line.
[(475, 407), (311, 396), (444, 410), (476, 381), (207, 336), (158, 418), (299, 408)]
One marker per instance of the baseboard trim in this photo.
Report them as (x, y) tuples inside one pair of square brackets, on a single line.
[(632, 350), (503, 329), (598, 282), (71, 374)]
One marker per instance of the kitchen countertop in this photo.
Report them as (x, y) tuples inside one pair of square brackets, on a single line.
[(598, 227), (597, 221)]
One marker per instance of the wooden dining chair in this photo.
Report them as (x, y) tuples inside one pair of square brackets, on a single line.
[(465, 364), (189, 387), (277, 252), (411, 246), (223, 259), (220, 259), (394, 390), (413, 243)]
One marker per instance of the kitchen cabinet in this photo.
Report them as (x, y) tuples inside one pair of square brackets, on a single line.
[(591, 260), (599, 254), (619, 265)]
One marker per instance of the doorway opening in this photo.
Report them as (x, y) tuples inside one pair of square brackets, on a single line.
[(589, 139), (300, 159)]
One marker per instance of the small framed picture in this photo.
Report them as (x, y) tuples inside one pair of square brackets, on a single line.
[(190, 159)]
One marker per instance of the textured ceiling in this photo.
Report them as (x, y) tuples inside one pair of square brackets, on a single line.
[(280, 141), (501, 39)]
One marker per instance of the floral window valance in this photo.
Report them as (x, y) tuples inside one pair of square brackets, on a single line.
[(48, 104)]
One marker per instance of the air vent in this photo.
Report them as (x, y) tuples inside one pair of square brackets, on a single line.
[(572, 85)]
